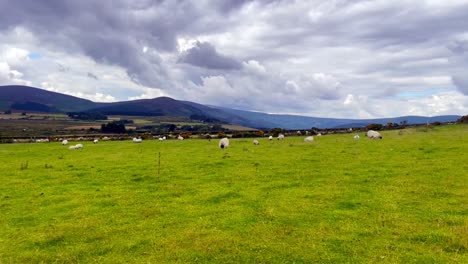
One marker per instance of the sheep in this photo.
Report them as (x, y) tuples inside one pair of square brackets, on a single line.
[(356, 137), (223, 143), (180, 138), (105, 138), (255, 142), (64, 142), (77, 146), (95, 141), (161, 139), (309, 139), (373, 134), (137, 140), (280, 137), (270, 138), (319, 134), (164, 138)]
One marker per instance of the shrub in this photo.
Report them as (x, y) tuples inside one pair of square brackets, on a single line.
[(374, 127), (463, 120), (185, 134), (221, 135), (113, 127)]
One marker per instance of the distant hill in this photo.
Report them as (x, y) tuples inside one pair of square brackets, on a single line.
[(263, 120), (23, 98)]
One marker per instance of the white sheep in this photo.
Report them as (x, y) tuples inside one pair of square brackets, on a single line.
[(270, 137), (180, 138), (77, 146), (161, 139), (280, 137), (137, 140), (373, 134), (255, 142), (95, 141), (105, 138), (356, 137), (319, 134), (223, 143), (164, 138), (64, 142), (309, 139)]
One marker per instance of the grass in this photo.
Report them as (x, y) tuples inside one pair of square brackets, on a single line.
[(335, 200)]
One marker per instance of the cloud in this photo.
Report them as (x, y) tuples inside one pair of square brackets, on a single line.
[(204, 55), (332, 58), (148, 93), (92, 76), (461, 82)]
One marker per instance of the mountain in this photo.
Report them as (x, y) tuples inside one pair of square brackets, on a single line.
[(23, 98), (264, 120)]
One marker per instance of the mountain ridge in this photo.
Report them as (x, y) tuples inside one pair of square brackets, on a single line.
[(25, 98)]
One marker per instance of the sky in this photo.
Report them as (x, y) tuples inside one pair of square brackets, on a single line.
[(335, 58)]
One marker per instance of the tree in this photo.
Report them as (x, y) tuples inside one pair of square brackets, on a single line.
[(113, 127)]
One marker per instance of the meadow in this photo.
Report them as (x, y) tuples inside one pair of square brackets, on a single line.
[(403, 199)]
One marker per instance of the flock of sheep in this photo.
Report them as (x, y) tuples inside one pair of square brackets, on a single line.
[(371, 134), (224, 142)]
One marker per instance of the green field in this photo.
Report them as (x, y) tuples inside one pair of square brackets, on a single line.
[(403, 199)]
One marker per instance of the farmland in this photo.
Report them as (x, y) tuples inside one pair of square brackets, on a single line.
[(334, 200)]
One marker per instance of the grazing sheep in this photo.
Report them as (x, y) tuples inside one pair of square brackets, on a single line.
[(161, 139), (255, 142), (373, 134), (180, 138), (356, 137), (319, 134), (137, 140), (223, 143), (280, 137), (270, 137), (95, 141), (64, 142), (309, 139), (164, 138), (77, 146)]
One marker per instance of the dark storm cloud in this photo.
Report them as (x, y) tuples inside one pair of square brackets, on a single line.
[(204, 55)]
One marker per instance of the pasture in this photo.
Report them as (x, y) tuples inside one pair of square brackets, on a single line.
[(334, 200)]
